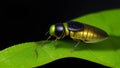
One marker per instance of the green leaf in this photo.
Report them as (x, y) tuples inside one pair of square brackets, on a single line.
[(32, 54)]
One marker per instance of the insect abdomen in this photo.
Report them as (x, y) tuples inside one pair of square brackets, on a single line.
[(89, 34)]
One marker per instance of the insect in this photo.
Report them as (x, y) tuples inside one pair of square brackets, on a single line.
[(78, 32)]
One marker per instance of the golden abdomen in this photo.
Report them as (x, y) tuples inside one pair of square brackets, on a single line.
[(90, 34)]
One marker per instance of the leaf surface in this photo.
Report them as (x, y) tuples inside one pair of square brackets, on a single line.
[(32, 54)]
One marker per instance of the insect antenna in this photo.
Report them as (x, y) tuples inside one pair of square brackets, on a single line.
[(46, 33)]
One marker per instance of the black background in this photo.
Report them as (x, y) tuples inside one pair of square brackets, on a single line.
[(26, 21)]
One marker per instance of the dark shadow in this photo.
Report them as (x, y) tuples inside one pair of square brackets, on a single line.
[(17, 17), (73, 63), (67, 10), (112, 43)]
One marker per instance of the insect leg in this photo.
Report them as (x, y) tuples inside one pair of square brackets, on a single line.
[(43, 42), (48, 37), (55, 42), (77, 44)]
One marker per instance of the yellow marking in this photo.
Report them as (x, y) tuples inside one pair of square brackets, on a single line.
[(87, 34), (66, 29), (92, 35)]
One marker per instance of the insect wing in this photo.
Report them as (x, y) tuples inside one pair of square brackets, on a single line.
[(75, 26)]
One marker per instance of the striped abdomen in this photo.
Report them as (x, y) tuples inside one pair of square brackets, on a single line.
[(89, 34)]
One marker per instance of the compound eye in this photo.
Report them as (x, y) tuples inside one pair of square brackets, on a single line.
[(59, 29)]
